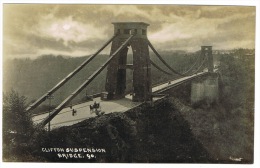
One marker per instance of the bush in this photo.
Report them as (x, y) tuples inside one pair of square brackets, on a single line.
[(17, 127)]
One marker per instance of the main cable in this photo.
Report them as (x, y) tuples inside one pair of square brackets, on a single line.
[(158, 55), (157, 67)]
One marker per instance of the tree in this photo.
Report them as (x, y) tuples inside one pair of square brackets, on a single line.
[(17, 126)]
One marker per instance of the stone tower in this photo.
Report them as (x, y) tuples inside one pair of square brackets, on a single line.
[(207, 51), (116, 71)]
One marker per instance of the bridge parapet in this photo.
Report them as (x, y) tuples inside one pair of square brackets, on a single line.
[(124, 29)]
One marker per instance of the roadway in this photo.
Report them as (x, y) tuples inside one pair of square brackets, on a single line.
[(66, 118)]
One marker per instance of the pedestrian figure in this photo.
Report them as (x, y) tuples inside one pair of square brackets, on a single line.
[(95, 105), (91, 109), (74, 112)]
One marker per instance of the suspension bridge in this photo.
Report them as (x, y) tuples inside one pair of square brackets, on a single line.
[(115, 98)]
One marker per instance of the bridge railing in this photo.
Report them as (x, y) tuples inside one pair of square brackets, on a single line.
[(167, 81), (186, 79)]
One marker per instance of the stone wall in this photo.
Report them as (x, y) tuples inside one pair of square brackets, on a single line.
[(205, 89)]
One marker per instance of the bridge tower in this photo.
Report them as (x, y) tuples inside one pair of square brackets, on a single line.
[(116, 70), (207, 51)]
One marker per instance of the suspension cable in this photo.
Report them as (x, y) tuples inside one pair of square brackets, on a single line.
[(168, 66), (204, 60), (186, 72), (158, 55), (157, 67)]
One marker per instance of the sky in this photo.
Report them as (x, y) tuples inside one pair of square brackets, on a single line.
[(32, 30)]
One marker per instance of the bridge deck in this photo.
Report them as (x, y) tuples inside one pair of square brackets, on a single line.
[(176, 82), (65, 117)]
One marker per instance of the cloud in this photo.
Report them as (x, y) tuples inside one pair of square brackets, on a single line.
[(68, 30), (193, 31), (35, 29)]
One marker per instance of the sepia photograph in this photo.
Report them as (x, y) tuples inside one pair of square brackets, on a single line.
[(128, 83)]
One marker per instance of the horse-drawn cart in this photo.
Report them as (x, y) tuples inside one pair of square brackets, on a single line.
[(96, 108)]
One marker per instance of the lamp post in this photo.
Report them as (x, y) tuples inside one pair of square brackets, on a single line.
[(49, 97)]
